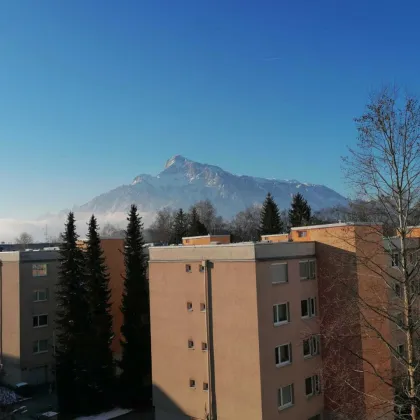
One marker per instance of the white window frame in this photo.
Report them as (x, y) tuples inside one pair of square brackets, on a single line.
[(309, 263), (38, 316), (280, 398), (204, 346), (37, 298), (205, 386), (311, 303), (314, 343), (189, 306), (276, 306), (192, 383), (38, 347), (315, 386), (190, 344), (287, 274), (401, 349), (277, 353), (36, 270), (302, 233), (202, 307)]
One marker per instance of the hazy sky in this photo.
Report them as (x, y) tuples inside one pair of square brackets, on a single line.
[(94, 92)]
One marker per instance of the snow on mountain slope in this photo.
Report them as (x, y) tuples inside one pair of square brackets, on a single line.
[(184, 182)]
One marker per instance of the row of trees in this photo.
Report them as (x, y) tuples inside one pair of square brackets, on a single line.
[(85, 369), (170, 226)]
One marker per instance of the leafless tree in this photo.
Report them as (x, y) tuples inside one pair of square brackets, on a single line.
[(111, 231), (376, 334), (245, 225), (24, 239), (208, 216), (161, 228)]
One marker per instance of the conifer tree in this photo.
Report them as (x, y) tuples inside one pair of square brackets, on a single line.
[(135, 378), (195, 228), (270, 222), (179, 228), (300, 211), (72, 326), (101, 360)]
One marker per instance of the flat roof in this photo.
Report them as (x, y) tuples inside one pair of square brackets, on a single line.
[(205, 236), (333, 225), (33, 255), (243, 251)]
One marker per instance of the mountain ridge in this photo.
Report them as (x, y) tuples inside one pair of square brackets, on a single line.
[(183, 182)]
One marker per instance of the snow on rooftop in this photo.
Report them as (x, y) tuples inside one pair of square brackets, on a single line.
[(116, 412)]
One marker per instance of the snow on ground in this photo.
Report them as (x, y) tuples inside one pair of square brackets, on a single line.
[(116, 412)]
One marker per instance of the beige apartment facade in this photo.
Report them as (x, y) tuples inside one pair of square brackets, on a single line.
[(27, 284), (235, 331)]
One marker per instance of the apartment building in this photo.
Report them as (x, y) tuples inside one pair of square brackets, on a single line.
[(27, 312), (235, 331), (28, 307), (236, 327)]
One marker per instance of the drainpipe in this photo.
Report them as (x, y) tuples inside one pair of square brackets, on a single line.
[(211, 414)]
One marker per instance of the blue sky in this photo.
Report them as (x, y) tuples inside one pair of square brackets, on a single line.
[(94, 92)]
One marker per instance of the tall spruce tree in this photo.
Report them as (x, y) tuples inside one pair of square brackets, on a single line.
[(135, 378), (270, 222), (72, 326), (101, 359), (195, 227), (179, 228), (300, 212)]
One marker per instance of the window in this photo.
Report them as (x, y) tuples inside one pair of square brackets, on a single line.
[(302, 234), (397, 290), (201, 268), (307, 270), (189, 306), (205, 386), (308, 308), (395, 259), (39, 270), (192, 383), (400, 319), (40, 346), (285, 397), (283, 354), (40, 321), (311, 346), (401, 349), (279, 273), (202, 307), (188, 268), (190, 344), (281, 313), (317, 417), (312, 385), (204, 346), (40, 295)]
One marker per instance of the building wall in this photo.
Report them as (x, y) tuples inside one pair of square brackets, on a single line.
[(284, 237), (10, 319), (346, 256), (114, 259), (37, 368), (233, 312), (206, 240), (294, 332)]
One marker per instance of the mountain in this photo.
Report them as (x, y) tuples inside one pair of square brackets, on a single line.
[(184, 182)]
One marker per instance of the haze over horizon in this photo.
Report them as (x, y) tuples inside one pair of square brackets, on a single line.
[(93, 94)]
